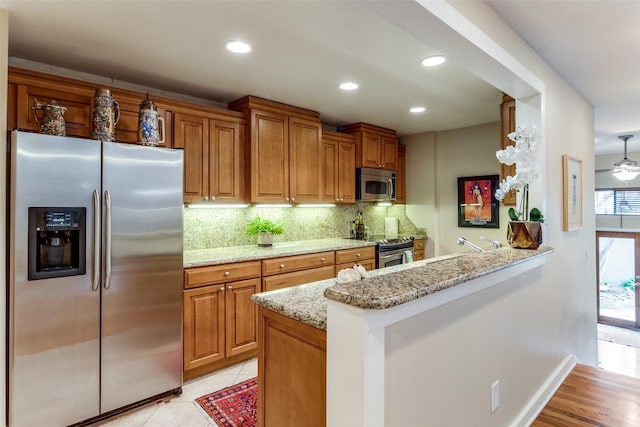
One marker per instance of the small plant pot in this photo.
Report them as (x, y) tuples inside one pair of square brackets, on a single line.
[(524, 234), (265, 239)]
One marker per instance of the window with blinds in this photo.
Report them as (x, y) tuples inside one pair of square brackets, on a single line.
[(618, 202)]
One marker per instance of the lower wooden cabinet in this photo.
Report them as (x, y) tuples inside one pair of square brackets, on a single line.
[(295, 270), (219, 319), (418, 249), (365, 256), (292, 372)]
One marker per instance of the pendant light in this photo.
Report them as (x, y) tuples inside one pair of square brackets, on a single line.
[(626, 169)]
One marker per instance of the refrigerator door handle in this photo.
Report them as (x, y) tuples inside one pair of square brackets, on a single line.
[(95, 279), (107, 240)]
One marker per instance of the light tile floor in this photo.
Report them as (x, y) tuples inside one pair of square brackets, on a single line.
[(618, 351), (183, 411)]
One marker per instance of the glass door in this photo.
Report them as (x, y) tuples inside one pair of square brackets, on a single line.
[(618, 276)]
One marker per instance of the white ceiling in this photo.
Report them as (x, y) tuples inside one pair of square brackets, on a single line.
[(593, 44), (302, 50)]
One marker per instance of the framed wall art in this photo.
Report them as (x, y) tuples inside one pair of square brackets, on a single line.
[(572, 193), (477, 204)]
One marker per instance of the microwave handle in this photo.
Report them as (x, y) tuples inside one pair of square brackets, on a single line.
[(390, 188)]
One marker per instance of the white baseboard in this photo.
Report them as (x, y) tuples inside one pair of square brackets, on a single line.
[(531, 411)]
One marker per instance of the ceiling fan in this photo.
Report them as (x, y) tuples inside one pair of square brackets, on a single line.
[(625, 169)]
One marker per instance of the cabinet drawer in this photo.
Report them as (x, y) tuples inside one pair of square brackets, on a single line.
[(418, 244), (368, 264), (297, 262), (355, 254), (280, 281), (200, 276), (418, 255)]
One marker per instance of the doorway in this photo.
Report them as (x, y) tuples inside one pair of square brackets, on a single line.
[(617, 277)]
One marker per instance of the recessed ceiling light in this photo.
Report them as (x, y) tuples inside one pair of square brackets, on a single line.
[(433, 61), (349, 86), (238, 46), (417, 109)]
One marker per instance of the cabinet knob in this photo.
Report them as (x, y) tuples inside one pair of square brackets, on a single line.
[(213, 198), (281, 265), (222, 289), (358, 254), (286, 199), (293, 199), (322, 260), (230, 287), (206, 198), (226, 273)]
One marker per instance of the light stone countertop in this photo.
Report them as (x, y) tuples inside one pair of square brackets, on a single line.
[(392, 286), (215, 256)]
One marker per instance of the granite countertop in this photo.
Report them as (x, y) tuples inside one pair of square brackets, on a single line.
[(204, 257), (392, 286)]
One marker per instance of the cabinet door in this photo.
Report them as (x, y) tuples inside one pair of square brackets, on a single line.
[(241, 316), (330, 171), (192, 135), (347, 172), (225, 161), (401, 175), (388, 153), (305, 165), (78, 101), (371, 150), (507, 125), (127, 127), (203, 325), (279, 281), (269, 157)]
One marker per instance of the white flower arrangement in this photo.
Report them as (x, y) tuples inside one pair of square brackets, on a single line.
[(523, 154)]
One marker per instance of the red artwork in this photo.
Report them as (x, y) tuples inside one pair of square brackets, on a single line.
[(477, 200)]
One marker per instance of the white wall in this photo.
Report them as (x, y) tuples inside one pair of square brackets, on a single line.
[(433, 189), (4, 55), (522, 332)]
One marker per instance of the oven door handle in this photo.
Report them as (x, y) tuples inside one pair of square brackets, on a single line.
[(390, 256)]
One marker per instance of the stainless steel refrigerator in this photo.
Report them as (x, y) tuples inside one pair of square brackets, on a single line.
[(95, 277)]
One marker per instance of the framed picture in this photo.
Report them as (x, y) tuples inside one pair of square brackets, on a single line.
[(477, 204), (572, 193)]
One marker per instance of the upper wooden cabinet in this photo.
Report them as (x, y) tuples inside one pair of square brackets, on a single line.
[(214, 157), (286, 153), (401, 175), (339, 166), (25, 87), (507, 125), (31, 86), (376, 147)]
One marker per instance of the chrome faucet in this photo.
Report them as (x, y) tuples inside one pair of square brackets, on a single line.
[(463, 241), (495, 243)]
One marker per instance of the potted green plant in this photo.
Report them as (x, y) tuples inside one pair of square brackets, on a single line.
[(265, 230)]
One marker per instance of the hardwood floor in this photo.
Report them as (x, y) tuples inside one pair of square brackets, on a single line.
[(593, 397)]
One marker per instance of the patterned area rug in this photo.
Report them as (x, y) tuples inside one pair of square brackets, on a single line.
[(233, 406)]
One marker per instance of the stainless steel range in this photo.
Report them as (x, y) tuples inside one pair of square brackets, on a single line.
[(393, 251)]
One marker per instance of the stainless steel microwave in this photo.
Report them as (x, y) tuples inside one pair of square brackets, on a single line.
[(375, 184)]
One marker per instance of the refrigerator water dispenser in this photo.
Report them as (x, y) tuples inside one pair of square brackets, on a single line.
[(57, 242)]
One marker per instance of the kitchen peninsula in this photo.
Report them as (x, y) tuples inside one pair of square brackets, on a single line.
[(324, 348)]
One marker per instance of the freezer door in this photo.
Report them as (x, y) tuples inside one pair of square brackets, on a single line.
[(54, 323), (142, 273)]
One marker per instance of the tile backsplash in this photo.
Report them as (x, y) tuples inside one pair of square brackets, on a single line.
[(215, 228)]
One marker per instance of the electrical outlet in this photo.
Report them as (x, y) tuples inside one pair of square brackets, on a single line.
[(495, 396)]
